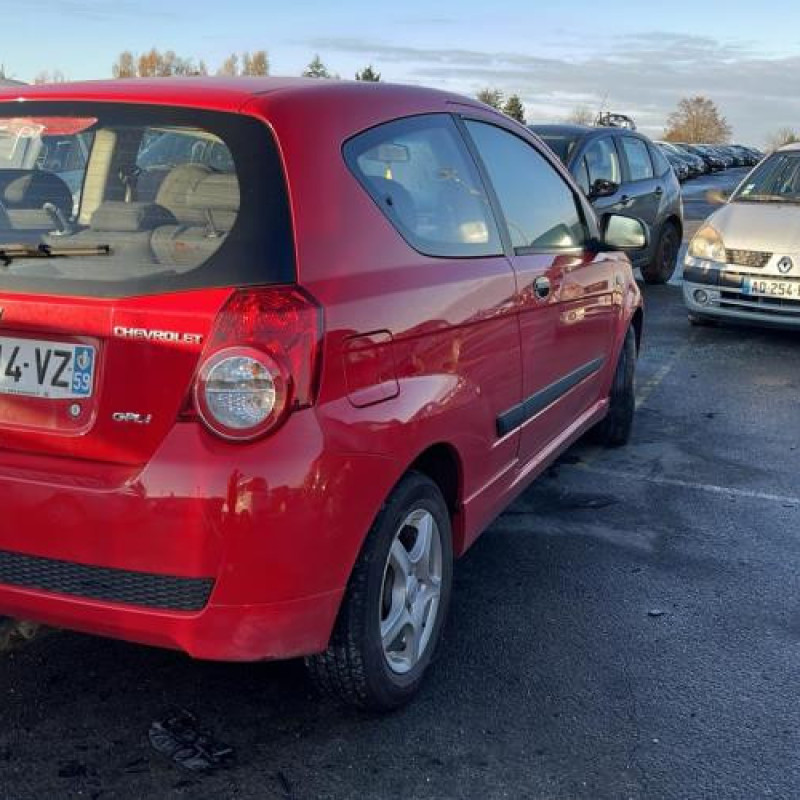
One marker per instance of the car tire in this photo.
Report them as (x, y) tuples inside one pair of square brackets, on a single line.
[(665, 257), (699, 321), (363, 665), (615, 429)]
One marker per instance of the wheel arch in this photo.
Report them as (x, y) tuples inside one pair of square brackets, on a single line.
[(676, 221), (637, 322), (441, 463)]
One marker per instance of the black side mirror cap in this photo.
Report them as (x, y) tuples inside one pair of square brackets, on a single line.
[(603, 188)]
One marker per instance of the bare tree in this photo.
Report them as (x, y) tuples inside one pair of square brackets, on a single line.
[(513, 108), (56, 76), (255, 64), (492, 97), (697, 119), (368, 74), (147, 64), (155, 64), (580, 115), (230, 66), (781, 137), (125, 65)]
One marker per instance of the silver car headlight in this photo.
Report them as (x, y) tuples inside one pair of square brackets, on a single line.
[(708, 245)]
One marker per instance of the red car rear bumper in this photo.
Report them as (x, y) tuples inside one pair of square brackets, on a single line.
[(218, 633), (223, 551)]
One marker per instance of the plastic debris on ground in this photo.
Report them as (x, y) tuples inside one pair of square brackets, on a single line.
[(179, 737)]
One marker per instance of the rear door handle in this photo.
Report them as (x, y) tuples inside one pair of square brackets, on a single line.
[(541, 287)]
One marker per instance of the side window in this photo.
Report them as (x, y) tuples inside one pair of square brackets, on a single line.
[(638, 157), (540, 208), (602, 161), (660, 162), (420, 174)]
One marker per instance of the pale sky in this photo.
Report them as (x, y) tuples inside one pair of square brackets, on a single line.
[(640, 58)]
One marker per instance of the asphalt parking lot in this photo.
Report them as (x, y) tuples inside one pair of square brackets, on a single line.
[(628, 629)]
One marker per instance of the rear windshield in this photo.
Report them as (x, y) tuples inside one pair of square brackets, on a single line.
[(776, 180), (561, 144), (118, 200)]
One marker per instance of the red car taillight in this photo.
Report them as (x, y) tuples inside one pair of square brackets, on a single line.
[(259, 363)]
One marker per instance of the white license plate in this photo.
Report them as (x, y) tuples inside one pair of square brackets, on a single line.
[(764, 287), (54, 370)]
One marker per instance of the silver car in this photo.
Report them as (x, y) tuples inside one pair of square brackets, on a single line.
[(744, 262)]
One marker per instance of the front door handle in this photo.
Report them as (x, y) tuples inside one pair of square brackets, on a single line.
[(541, 287)]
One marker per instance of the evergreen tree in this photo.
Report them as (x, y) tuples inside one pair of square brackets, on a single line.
[(316, 69), (368, 74), (514, 108)]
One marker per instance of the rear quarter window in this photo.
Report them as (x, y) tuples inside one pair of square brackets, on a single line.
[(421, 176), (139, 199), (638, 157), (660, 163)]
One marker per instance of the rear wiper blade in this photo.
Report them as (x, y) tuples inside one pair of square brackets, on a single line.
[(10, 252)]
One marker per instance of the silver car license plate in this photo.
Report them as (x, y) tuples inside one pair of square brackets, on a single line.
[(765, 287), (38, 368)]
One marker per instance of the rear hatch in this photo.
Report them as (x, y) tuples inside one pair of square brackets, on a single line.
[(123, 231)]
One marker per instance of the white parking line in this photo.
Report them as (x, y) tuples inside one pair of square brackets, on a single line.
[(725, 491)]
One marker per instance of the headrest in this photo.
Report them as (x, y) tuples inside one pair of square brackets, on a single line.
[(119, 217), (179, 182), (218, 192), (31, 189)]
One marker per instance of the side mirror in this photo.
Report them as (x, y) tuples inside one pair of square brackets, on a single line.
[(716, 197), (603, 188), (624, 233)]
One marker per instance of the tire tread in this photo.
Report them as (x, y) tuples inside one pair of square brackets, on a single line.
[(340, 671)]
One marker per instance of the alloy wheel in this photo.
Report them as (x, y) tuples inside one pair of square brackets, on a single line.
[(411, 591)]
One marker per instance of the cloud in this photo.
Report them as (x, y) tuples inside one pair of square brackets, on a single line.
[(644, 74)]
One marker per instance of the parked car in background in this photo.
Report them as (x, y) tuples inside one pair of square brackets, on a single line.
[(679, 166), (741, 159), (254, 407), (713, 161), (623, 172), (729, 158), (749, 157), (696, 164), (744, 263), (757, 154)]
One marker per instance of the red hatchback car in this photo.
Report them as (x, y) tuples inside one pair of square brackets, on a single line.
[(273, 352)]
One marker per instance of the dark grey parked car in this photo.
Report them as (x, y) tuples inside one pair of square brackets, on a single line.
[(623, 172)]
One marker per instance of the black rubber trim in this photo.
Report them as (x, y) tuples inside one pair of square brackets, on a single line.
[(531, 406), (167, 592), (713, 277)]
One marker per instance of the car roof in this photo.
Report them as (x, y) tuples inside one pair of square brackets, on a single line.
[(788, 148), (563, 130), (228, 93), (583, 131)]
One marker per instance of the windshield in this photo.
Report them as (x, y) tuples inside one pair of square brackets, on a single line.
[(561, 144), (777, 180), (172, 199)]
